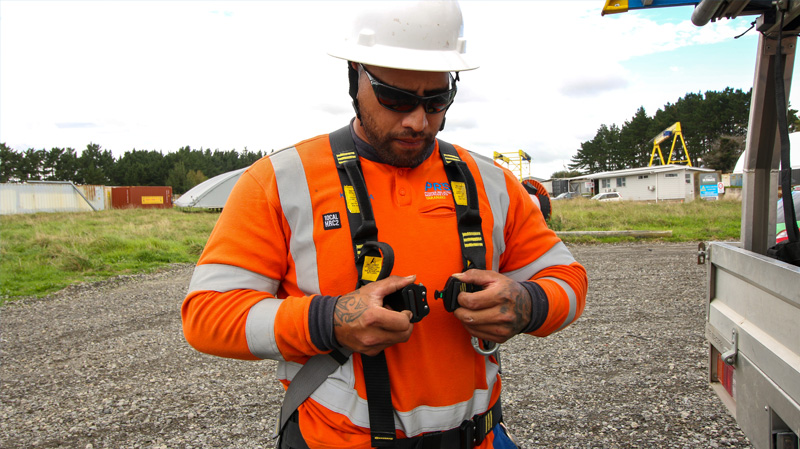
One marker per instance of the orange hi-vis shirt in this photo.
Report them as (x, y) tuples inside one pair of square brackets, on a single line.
[(283, 242)]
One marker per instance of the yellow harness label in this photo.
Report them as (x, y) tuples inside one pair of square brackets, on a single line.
[(459, 193), (372, 268), (351, 200)]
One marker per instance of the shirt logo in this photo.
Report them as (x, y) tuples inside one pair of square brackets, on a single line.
[(331, 221), (437, 190)]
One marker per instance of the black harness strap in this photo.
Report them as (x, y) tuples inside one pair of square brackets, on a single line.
[(473, 248), (374, 261), (465, 197), (359, 208)]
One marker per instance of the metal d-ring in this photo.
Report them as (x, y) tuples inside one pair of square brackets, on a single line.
[(492, 347)]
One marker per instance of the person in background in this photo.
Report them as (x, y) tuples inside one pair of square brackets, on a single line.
[(782, 235), (396, 260)]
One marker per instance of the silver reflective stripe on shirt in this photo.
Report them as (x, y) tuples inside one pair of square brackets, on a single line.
[(259, 327), (573, 301), (557, 255), (494, 182), (224, 278), (339, 395), (296, 204)]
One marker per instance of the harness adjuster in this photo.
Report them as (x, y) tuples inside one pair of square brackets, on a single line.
[(382, 439), (412, 298), (449, 294), (467, 430)]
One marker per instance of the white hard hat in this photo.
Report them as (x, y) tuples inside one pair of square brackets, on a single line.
[(420, 35)]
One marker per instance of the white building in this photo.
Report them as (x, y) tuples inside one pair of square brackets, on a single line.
[(656, 183)]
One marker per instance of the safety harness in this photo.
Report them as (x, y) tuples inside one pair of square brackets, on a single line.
[(374, 261)]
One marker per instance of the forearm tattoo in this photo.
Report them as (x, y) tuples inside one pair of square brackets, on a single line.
[(348, 309)]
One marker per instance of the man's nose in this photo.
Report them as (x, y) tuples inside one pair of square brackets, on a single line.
[(416, 119)]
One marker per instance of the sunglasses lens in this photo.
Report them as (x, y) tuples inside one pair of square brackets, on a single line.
[(396, 100), (401, 101), (439, 103)]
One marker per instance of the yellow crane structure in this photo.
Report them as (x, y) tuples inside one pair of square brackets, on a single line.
[(516, 162), (673, 131)]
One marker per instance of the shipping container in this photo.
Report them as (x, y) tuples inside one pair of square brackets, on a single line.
[(49, 196), (146, 197)]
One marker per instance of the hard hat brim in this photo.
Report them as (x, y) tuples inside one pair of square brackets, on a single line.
[(404, 59)]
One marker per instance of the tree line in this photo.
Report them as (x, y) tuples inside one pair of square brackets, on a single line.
[(181, 170), (713, 124)]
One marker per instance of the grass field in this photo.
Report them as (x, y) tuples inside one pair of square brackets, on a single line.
[(695, 221), (43, 253)]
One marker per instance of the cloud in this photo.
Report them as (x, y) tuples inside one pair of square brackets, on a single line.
[(76, 125), (334, 109), (592, 86), (461, 123), (162, 75)]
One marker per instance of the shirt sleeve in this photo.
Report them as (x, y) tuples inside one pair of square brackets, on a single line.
[(535, 255), (238, 305)]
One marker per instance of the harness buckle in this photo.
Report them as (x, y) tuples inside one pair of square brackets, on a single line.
[(467, 430), (411, 297), (449, 294)]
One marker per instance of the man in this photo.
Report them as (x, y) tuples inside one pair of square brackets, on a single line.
[(307, 225)]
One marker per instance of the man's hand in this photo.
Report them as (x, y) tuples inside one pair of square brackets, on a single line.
[(496, 313), (362, 324)]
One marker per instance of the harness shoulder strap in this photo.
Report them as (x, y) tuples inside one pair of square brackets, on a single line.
[(465, 197), (374, 261)]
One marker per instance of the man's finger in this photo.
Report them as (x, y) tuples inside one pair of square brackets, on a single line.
[(394, 321), (389, 285), (477, 277)]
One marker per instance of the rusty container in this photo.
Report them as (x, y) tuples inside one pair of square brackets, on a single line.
[(147, 197)]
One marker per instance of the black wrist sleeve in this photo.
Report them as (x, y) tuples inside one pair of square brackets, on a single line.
[(320, 322), (539, 306)]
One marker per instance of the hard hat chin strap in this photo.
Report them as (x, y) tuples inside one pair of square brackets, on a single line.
[(353, 75)]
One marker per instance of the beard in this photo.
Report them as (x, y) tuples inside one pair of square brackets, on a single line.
[(382, 144)]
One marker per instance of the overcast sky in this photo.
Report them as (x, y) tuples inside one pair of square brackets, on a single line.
[(157, 75)]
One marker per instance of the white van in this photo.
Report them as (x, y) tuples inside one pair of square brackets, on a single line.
[(608, 196)]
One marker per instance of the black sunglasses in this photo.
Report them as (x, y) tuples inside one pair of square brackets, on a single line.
[(399, 100)]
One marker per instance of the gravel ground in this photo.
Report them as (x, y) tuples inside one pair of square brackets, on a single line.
[(106, 365)]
